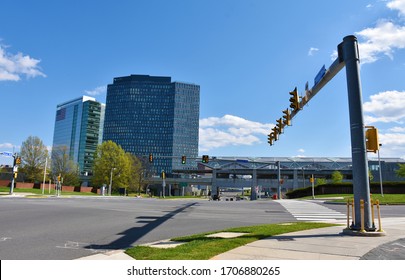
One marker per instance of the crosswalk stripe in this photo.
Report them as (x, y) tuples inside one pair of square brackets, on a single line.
[(309, 211)]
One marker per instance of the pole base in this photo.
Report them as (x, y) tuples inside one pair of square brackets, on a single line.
[(348, 231)]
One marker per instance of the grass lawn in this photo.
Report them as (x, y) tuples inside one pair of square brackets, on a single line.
[(201, 247), (390, 199), (37, 192)]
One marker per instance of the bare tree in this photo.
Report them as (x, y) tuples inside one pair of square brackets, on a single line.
[(64, 166), (33, 157)]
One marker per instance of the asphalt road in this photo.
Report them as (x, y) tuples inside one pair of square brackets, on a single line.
[(69, 228)]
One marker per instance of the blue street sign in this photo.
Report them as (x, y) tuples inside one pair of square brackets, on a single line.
[(7, 154), (320, 75)]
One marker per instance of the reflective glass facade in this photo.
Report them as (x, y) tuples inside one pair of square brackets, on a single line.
[(78, 127), (152, 115)]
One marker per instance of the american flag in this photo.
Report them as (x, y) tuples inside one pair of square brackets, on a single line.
[(61, 114)]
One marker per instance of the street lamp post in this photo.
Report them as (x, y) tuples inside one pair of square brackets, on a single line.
[(379, 169), (43, 184), (163, 183), (110, 186)]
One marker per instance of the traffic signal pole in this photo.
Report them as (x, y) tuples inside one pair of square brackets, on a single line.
[(349, 53), (348, 56), (15, 170)]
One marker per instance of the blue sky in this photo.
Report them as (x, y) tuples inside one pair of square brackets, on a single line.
[(245, 55)]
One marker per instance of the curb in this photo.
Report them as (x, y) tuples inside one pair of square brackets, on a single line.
[(110, 255)]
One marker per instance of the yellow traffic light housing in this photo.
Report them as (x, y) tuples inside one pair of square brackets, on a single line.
[(280, 126), (18, 160), (294, 100), (287, 117), (372, 143), (275, 133), (270, 139)]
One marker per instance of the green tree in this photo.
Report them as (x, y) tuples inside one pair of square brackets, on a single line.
[(134, 182), (66, 167), (370, 175), (337, 177), (401, 171), (111, 163), (320, 181), (33, 157)]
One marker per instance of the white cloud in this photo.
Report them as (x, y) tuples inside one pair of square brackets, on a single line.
[(386, 37), (312, 51), (383, 39), (97, 91), (397, 5), (230, 131), (397, 129), (393, 144), (13, 66), (6, 146), (385, 107), (334, 55)]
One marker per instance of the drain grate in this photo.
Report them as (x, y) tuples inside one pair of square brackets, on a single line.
[(285, 239)]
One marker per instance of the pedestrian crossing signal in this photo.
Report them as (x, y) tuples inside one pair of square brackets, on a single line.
[(372, 143)]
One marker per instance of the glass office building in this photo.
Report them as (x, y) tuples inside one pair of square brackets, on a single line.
[(153, 115), (78, 130)]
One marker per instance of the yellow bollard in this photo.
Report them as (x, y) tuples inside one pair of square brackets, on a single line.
[(353, 214), (348, 211), (362, 215), (372, 212), (379, 217)]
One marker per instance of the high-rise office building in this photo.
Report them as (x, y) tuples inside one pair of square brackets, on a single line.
[(78, 130), (153, 115)]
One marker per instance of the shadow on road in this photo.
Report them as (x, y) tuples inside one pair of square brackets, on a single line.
[(133, 234)]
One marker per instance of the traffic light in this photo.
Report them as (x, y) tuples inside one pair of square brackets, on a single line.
[(295, 101), (271, 138), (275, 133), (150, 158), (58, 178), (287, 117), (205, 158), (18, 160), (280, 126), (372, 144), (183, 159), (15, 175)]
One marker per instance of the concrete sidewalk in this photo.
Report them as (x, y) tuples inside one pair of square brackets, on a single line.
[(326, 244)]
